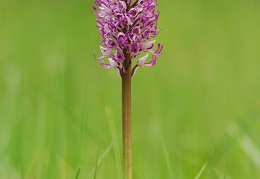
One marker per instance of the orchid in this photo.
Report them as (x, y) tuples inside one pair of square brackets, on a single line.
[(126, 28)]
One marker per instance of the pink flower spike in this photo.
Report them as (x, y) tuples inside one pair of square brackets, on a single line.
[(127, 29)]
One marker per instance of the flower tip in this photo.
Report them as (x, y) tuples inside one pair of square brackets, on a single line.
[(95, 56), (141, 61)]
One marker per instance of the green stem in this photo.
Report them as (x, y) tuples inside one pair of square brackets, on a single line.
[(126, 119)]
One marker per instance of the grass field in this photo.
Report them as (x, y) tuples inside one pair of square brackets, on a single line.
[(195, 115)]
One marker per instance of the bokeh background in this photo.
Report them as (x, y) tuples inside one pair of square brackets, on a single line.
[(195, 115)]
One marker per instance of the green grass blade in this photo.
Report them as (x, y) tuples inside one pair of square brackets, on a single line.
[(201, 171), (95, 170), (167, 159), (77, 176), (115, 140)]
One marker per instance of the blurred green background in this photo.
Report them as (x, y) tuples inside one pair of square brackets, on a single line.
[(196, 114)]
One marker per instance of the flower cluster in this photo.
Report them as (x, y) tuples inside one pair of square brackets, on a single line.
[(126, 28)]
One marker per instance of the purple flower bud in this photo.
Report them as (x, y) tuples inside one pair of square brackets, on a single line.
[(133, 12), (121, 6), (136, 30), (119, 55), (111, 43), (135, 49), (122, 40), (126, 29), (144, 20)]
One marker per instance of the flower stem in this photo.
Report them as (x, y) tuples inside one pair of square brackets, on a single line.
[(126, 119)]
